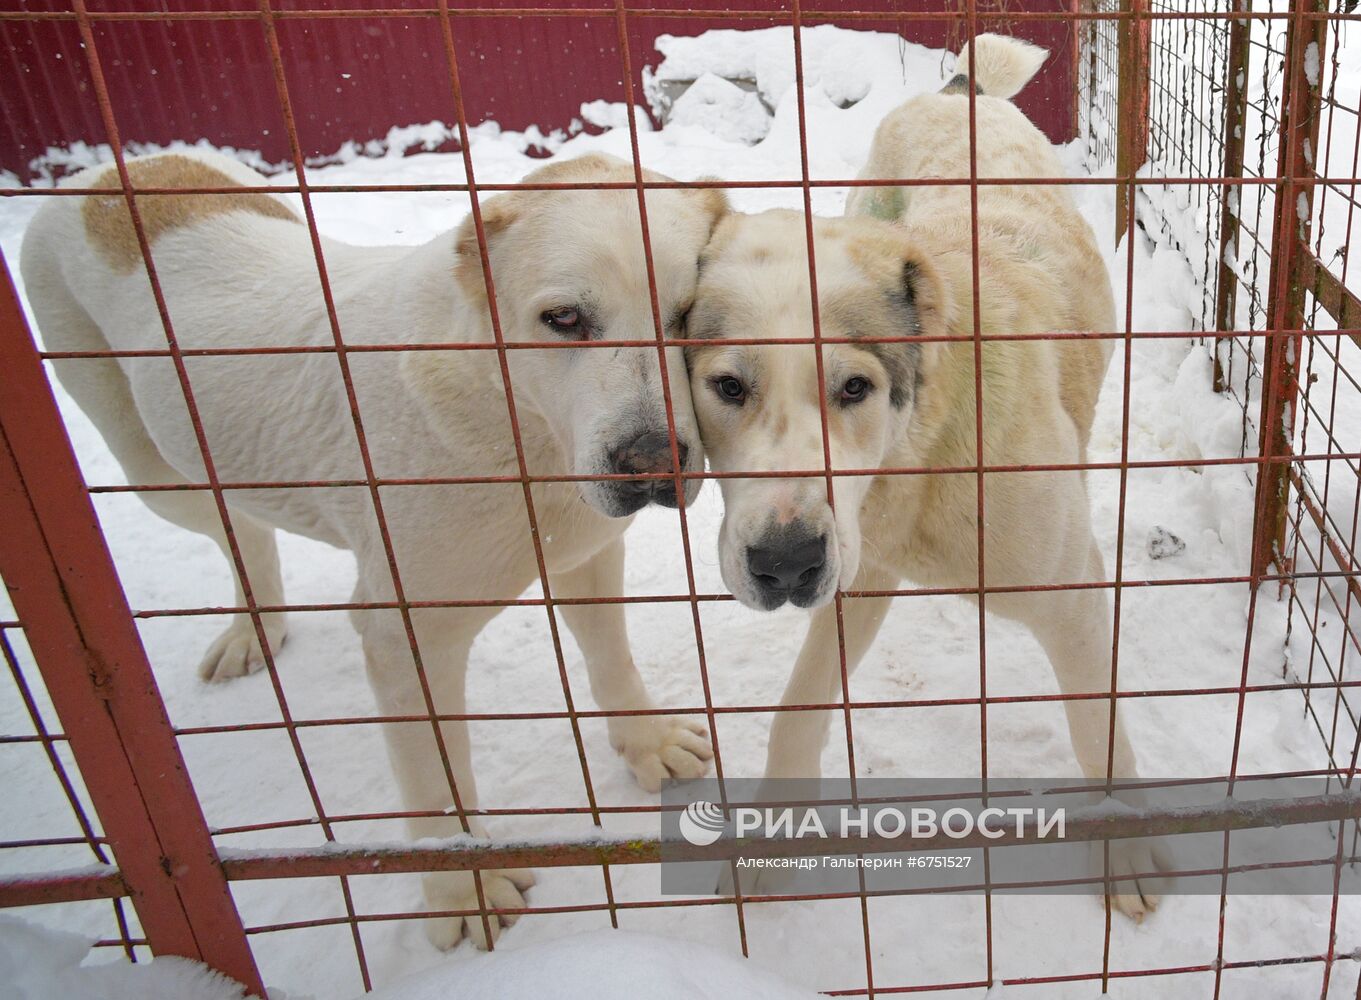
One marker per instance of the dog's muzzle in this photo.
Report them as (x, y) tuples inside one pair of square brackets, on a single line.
[(649, 454), (787, 565)]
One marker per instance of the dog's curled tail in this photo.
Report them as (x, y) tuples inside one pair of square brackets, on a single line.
[(1002, 65)]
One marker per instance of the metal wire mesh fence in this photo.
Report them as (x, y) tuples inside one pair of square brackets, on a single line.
[(1229, 136), (1217, 89), (1241, 159)]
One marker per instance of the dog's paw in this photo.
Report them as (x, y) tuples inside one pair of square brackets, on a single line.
[(1147, 859), (502, 890), (236, 652), (659, 747)]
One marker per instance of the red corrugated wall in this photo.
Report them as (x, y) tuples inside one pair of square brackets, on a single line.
[(355, 77)]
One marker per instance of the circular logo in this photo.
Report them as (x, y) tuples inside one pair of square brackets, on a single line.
[(701, 823)]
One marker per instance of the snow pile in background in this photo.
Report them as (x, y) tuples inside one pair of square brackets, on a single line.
[(838, 66), (723, 108), (1173, 639), (604, 965), (866, 74), (1332, 364), (614, 114), (400, 140), (37, 963)]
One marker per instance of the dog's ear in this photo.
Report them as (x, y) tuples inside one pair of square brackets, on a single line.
[(895, 262), (713, 201), (923, 290), (498, 213), (722, 234), (927, 299), (916, 302)]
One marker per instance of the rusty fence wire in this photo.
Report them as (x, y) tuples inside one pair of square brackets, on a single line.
[(1252, 129), (1218, 132), (1216, 127)]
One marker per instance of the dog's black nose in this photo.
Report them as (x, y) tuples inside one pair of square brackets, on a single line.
[(786, 567), (648, 453)]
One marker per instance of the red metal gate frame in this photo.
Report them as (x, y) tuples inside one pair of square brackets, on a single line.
[(64, 587), (1132, 141), (1290, 264)]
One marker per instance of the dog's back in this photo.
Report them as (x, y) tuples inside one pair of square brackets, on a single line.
[(1044, 271), (928, 137), (87, 286), (235, 270), (86, 248)]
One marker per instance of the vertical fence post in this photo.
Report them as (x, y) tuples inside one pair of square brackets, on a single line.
[(1089, 91), (1231, 197), (1291, 260), (61, 578), (1131, 147), (1078, 28)]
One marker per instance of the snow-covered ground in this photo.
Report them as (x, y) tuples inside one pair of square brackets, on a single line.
[(39, 963), (1172, 639)]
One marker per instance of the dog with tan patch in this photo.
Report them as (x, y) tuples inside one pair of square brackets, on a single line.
[(901, 264), (238, 271)]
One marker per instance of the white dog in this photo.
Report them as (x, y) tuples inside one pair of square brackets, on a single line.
[(238, 271), (913, 405)]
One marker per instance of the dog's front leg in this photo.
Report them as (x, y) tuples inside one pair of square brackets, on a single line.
[(797, 736), (444, 637), (657, 747)]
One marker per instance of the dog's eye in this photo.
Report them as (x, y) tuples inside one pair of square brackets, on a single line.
[(563, 320), (855, 390), (730, 389)]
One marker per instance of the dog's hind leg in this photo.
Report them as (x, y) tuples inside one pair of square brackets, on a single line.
[(444, 637), (237, 651), (1074, 628), (100, 387), (657, 747)]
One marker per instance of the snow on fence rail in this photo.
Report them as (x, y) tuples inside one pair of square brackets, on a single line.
[(1228, 137)]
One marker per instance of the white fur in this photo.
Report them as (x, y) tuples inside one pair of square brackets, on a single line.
[(1002, 64), (1039, 272), (245, 280)]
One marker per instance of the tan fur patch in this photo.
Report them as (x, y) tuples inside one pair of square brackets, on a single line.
[(715, 202), (108, 224)]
